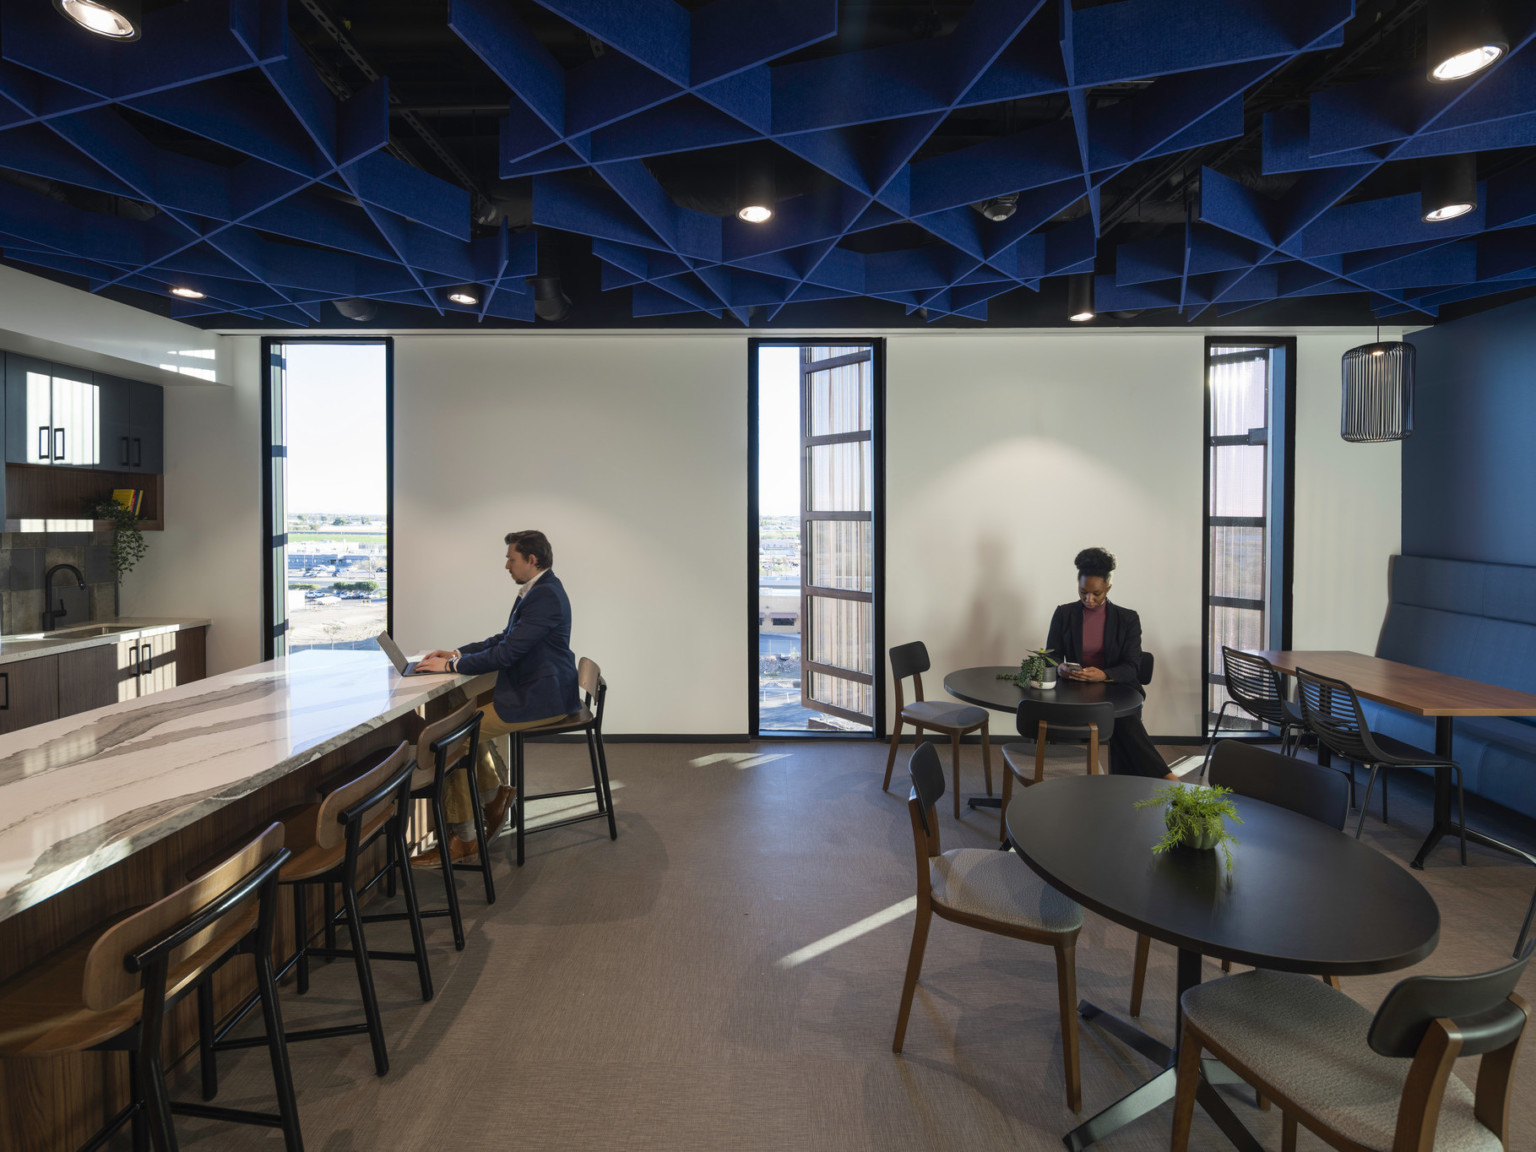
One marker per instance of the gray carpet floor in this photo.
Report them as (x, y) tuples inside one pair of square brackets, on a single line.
[(639, 994)]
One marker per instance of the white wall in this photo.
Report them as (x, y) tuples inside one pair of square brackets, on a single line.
[(1348, 511), (1006, 455), (629, 452), (207, 562)]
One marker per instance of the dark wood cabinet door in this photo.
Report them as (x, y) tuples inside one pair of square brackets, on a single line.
[(29, 693), (190, 646), (95, 677)]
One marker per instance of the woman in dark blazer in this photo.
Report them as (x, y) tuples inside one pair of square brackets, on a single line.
[(1106, 640)]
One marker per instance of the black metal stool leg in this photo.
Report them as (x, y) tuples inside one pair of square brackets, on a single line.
[(602, 760), (480, 830), (413, 910), (301, 935), (139, 1124), (365, 976), (1370, 786), (517, 774), (330, 917), (597, 780), (277, 1050), (1461, 813), (207, 1059), (389, 867), (450, 881)]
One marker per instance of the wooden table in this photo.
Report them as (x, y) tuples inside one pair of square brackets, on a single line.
[(1299, 897), (1422, 692)]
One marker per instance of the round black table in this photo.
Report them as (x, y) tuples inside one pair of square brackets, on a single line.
[(980, 686), (1300, 897)]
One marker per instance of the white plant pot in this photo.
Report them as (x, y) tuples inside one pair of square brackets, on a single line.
[(1047, 684)]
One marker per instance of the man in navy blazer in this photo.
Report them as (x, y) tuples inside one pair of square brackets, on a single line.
[(535, 680)]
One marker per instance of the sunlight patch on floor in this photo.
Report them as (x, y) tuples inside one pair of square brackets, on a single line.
[(852, 932)]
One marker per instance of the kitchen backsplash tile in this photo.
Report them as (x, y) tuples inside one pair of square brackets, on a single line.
[(24, 559)]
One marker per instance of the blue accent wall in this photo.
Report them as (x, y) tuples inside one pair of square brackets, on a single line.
[(1469, 469)]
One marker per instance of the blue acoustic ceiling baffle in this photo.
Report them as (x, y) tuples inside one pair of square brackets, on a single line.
[(303, 204)]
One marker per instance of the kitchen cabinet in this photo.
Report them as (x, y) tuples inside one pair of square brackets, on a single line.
[(52, 414), (29, 693), (132, 425), (95, 677)]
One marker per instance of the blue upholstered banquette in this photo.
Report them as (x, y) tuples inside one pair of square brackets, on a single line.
[(1478, 621)]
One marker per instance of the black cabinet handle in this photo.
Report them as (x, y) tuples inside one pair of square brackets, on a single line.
[(146, 659), (138, 452), (58, 443), (125, 451), (133, 658), (42, 442), (5, 682)]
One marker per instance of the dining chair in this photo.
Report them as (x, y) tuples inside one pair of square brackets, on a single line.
[(1333, 714), (953, 720), (111, 990), (1360, 1081), (1049, 722), (1310, 790), (995, 892), (1254, 686)]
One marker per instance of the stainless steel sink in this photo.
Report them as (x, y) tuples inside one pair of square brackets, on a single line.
[(89, 630)]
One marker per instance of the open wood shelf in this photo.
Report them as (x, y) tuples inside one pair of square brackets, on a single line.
[(51, 493)]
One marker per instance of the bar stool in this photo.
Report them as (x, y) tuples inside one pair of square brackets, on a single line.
[(109, 991), (327, 839), (589, 720), (436, 761)]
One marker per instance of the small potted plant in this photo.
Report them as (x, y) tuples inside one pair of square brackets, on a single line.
[(1037, 670), (1195, 818)]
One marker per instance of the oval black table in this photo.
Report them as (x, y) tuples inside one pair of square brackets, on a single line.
[(980, 686), (1299, 897)]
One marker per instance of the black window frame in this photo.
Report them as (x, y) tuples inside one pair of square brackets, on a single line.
[(1285, 483), (877, 463), (268, 345)]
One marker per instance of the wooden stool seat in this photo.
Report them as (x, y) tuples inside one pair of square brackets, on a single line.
[(309, 858), (572, 723)]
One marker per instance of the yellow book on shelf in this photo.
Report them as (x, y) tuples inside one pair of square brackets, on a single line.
[(124, 496)]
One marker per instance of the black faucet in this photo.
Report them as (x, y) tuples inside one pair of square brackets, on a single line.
[(50, 618)]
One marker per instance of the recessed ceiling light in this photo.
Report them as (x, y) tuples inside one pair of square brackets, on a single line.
[(464, 295), (1465, 37), (1080, 297), (755, 213), (1449, 187), (187, 293), (116, 21)]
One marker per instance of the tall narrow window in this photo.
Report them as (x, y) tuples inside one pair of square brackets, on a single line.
[(816, 537), (328, 536), (1249, 420)]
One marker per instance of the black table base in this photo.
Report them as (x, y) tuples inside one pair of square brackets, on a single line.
[(1160, 1089)]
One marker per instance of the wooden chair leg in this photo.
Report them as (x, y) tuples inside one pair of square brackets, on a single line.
[(1093, 749), (1226, 965), (986, 754), (890, 761), (1002, 816), (1184, 1097), (1139, 972), (954, 759), (1333, 982), (1066, 995), (1287, 1132), (914, 968), (1040, 752), (1260, 1101)]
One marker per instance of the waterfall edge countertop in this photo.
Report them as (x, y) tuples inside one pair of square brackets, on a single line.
[(81, 793), (31, 645)]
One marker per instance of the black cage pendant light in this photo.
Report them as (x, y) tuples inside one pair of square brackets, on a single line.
[(1378, 392)]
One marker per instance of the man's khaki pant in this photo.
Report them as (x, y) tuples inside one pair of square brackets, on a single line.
[(491, 771)]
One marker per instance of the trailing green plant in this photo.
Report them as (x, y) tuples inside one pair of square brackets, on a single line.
[(1032, 667), (1192, 812), (128, 546)]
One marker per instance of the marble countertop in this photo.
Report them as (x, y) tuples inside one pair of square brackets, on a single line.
[(80, 793), (30, 645)]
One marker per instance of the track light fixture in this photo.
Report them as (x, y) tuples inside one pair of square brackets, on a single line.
[(118, 20), (1449, 187), (549, 300), (756, 194), (1465, 36), (999, 207), (466, 294), (187, 293), (1080, 297)]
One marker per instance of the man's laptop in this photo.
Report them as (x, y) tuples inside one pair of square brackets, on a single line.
[(396, 657)]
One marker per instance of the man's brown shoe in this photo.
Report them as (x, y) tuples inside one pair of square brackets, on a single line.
[(496, 810), (457, 850)]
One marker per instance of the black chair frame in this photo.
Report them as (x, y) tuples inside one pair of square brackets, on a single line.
[(345, 874), (150, 1107), (596, 753), (1254, 686), (1332, 711)]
